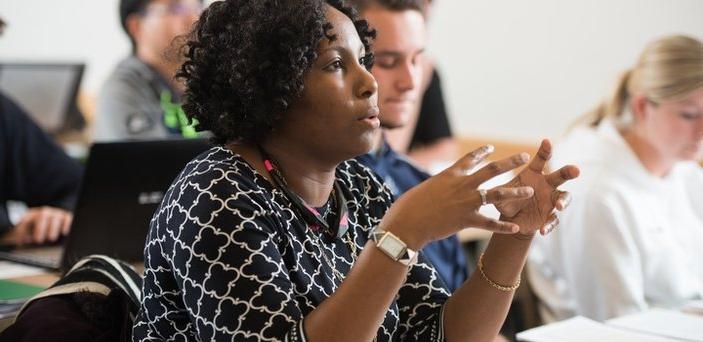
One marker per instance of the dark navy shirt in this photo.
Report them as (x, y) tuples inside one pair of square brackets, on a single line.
[(33, 168), (400, 175)]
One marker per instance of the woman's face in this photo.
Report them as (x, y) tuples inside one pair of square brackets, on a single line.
[(337, 115), (675, 128)]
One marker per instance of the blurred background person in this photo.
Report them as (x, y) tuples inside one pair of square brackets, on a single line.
[(141, 99), (427, 135), (398, 66), (35, 171), (633, 235)]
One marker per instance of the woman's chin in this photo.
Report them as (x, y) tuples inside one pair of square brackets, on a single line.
[(691, 154), (366, 143)]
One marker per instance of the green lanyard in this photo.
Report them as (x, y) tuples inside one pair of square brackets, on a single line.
[(175, 117)]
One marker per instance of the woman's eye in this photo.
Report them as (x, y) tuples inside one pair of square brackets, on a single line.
[(367, 61), (386, 63), (336, 65), (690, 116)]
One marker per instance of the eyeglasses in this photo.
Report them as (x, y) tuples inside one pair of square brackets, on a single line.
[(174, 9)]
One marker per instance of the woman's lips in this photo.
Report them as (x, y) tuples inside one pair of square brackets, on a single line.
[(371, 118)]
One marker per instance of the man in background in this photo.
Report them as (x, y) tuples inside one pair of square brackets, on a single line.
[(141, 98), (35, 171), (398, 68)]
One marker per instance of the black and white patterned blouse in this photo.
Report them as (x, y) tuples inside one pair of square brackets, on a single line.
[(227, 259)]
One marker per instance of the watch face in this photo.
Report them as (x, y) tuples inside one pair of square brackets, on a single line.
[(393, 246)]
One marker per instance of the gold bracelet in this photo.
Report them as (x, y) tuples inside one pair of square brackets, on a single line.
[(493, 283)]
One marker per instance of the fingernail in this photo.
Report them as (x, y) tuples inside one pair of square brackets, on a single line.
[(567, 200), (524, 156), (489, 148)]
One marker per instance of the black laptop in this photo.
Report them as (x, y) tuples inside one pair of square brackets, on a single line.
[(123, 185)]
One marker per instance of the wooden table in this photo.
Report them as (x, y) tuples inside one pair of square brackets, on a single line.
[(44, 279), (473, 234)]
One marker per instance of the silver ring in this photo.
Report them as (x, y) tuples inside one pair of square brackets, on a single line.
[(552, 226), (483, 192)]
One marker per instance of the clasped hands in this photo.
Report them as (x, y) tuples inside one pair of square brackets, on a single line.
[(450, 201)]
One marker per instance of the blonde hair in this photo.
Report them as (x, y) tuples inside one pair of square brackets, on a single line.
[(669, 68)]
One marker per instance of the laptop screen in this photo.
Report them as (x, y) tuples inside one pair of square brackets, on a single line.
[(46, 91), (123, 185)]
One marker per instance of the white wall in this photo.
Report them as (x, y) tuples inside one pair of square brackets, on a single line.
[(65, 30), (524, 69), (514, 69)]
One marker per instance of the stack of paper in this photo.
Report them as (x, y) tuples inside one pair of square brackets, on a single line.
[(660, 322), (10, 270), (694, 307), (581, 329)]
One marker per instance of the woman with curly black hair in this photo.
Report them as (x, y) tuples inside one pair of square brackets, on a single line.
[(276, 235)]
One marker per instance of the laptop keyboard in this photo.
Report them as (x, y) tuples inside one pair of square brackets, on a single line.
[(46, 257)]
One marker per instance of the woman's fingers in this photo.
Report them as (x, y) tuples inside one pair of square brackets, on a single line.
[(498, 167), (562, 175), (496, 226), (471, 159), (543, 155), (561, 199), (505, 194), (551, 224)]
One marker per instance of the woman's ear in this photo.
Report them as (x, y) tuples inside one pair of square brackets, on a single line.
[(640, 106)]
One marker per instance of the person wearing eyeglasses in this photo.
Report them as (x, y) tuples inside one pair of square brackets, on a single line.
[(141, 99)]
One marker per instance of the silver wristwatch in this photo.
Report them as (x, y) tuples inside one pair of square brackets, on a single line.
[(394, 247)]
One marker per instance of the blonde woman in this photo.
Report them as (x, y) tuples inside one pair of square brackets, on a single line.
[(635, 229)]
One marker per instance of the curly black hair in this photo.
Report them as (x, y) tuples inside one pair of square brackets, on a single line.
[(246, 59), (393, 5)]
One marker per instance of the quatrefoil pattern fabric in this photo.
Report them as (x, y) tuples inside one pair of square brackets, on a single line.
[(227, 259)]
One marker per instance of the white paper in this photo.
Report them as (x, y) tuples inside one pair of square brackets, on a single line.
[(10, 270), (581, 329), (663, 322), (693, 307)]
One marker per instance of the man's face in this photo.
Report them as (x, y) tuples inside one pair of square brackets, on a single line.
[(399, 46), (164, 20)]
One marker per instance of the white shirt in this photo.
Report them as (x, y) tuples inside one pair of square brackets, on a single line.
[(628, 241)]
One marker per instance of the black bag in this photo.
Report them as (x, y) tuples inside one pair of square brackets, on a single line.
[(96, 300)]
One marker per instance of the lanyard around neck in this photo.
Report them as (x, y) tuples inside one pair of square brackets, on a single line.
[(312, 217)]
